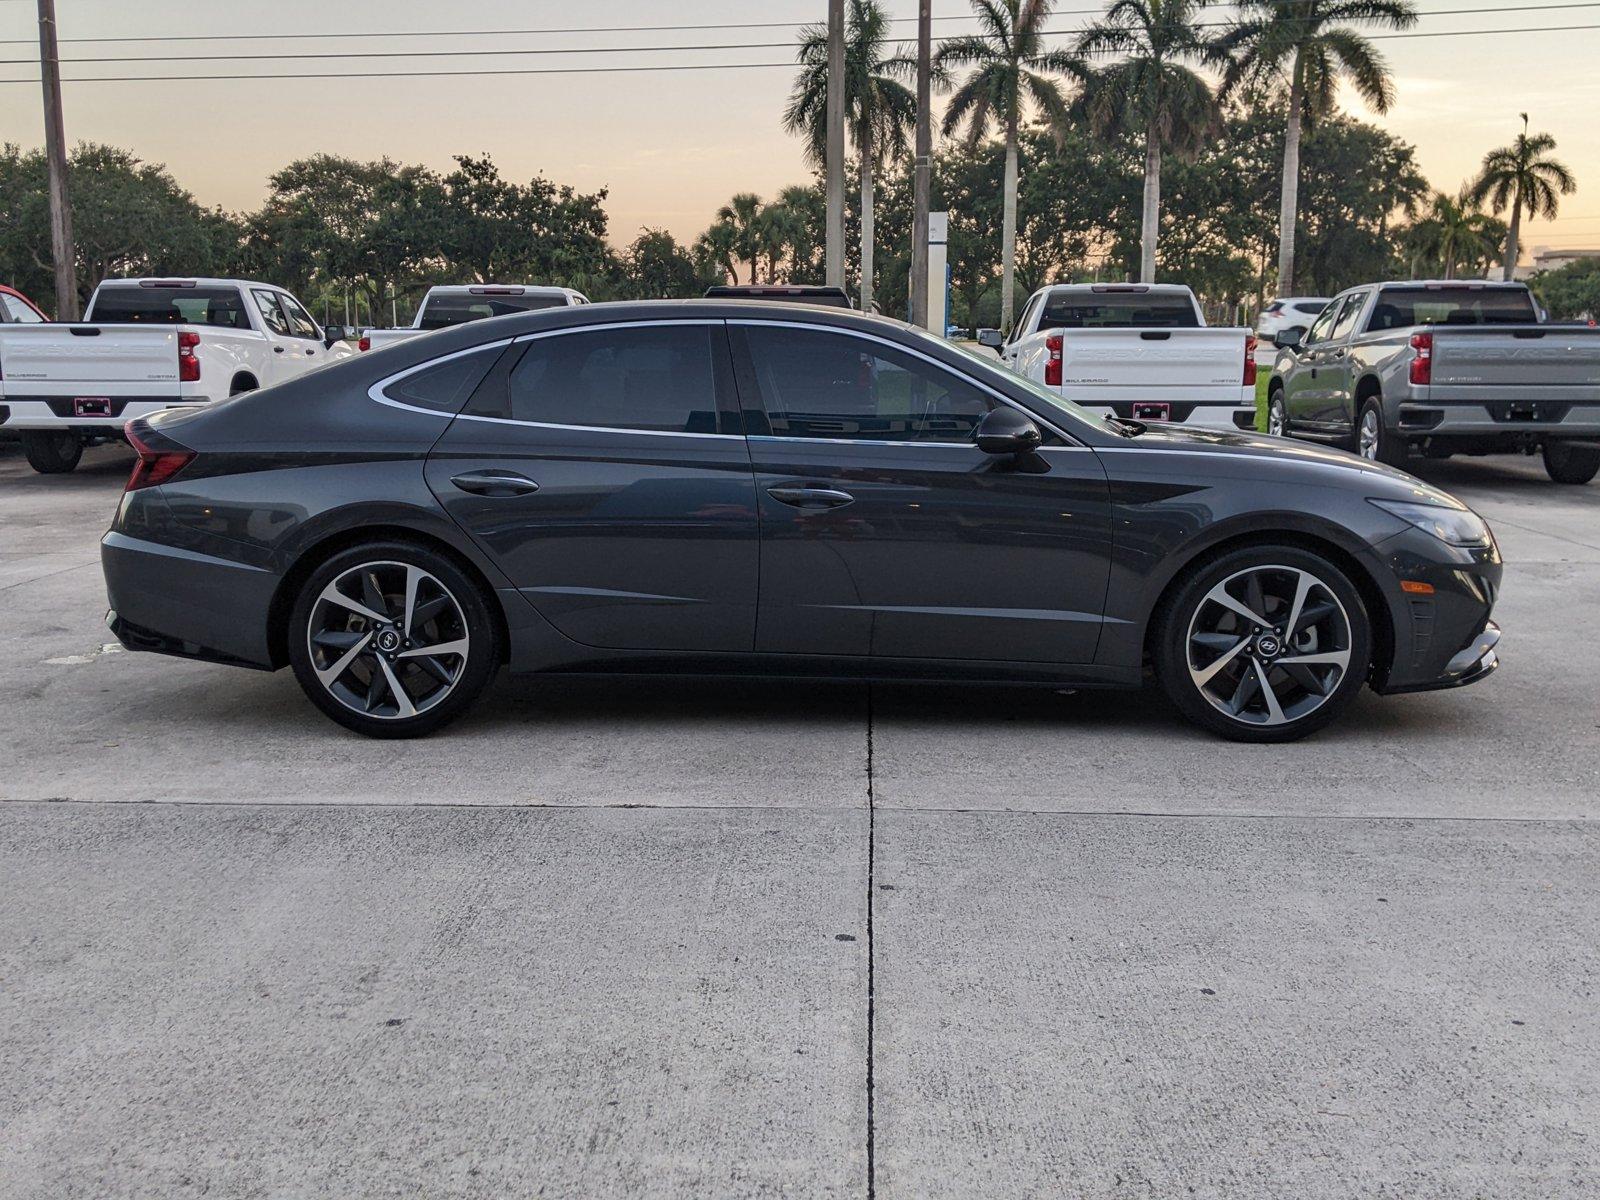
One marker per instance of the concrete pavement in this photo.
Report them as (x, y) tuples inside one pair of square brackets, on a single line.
[(614, 939)]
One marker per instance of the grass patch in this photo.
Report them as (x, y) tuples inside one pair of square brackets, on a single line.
[(1263, 379)]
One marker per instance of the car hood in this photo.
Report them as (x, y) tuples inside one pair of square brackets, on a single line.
[(1361, 472)]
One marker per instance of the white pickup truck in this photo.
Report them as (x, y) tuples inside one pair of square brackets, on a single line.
[(445, 306), (145, 345), (1136, 351)]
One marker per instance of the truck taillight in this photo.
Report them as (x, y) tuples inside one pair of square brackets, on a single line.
[(188, 364), (1249, 360), (1052, 362), (1422, 359), (160, 458), (364, 344)]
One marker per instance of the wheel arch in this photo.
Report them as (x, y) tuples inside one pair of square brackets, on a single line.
[(1378, 612), (243, 381), (335, 542)]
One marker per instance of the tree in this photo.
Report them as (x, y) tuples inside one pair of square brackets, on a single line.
[(1571, 292), (1152, 92), (742, 218), (879, 110), (656, 267), (1302, 43), (130, 217), (715, 247), (1007, 58), (1526, 177), (1452, 233)]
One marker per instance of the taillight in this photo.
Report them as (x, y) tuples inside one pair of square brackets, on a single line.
[(1052, 364), (1422, 359), (1249, 360), (364, 344), (188, 364), (160, 458)]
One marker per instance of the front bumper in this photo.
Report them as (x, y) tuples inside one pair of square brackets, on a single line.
[(1478, 660)]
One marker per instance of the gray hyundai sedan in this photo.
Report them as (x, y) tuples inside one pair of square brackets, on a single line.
[(728, 487)]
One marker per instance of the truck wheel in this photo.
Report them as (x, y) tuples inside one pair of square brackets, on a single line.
[(51, 451), (1277, 415), (1374, 442), (1567, 463)]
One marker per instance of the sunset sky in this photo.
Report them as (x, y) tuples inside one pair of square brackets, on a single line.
[(671, 145)]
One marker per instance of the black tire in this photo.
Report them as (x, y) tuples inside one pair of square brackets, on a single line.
[(1187, 613), (1567, 463), (1277, 414), (52, 451), (1384, 447), (469, 620)]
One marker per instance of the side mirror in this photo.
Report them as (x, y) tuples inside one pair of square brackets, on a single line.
[(1006, 431), (1288, 339), (990, 338), (332, 336)]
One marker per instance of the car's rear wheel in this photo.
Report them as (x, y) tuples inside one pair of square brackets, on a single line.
[(52, 451), (1567, 463), (1277, 414), (1374, 442), (1267, 644), (392, 639)]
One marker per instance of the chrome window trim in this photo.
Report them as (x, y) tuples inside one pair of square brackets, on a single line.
[(375, 392), (1072, 442)]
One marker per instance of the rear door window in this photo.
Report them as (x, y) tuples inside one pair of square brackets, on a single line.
[(138, 305), (648, 378)]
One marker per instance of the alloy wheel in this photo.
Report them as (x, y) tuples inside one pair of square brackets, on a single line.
[(1269, 645), (1275, 418), (387, 640), (1369, 435)]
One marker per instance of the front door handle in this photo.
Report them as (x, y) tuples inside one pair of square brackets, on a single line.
[(495, 483), (277, 349), (810, 497)]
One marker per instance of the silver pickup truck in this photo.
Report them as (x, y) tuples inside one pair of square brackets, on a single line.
[(1442, 367)]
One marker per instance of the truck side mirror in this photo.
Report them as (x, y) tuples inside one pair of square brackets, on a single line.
[(1288, 339), (990, 338)]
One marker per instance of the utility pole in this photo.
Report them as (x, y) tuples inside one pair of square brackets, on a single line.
[(55, 146), (835, 156), (922, 168)]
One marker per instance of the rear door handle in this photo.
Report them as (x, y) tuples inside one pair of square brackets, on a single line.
[(495, 483), (810, 497)]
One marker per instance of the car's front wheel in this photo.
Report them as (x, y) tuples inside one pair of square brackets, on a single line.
[(1266, 644), (392, 639), (1566, 463)]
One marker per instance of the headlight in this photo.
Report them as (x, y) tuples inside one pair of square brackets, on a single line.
[(1457, 526)]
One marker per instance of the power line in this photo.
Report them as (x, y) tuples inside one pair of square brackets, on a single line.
[(190, 77), (437, 33), (541, 50)]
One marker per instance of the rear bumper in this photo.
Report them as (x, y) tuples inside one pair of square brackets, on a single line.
[(175, 601), (1511, 420), (1231, 417), (59, 413)]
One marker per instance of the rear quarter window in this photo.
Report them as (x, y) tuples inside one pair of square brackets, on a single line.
[(1119, 312), (1400, 308), (443, 386)]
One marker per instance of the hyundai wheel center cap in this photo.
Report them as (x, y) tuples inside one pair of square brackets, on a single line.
[(388, 641), (1268, 646)]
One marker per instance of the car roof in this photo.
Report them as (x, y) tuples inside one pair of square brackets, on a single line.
[(523, 289), (187, 281)]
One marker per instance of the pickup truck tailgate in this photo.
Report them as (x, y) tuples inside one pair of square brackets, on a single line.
[(1534, 362), (82, 354), (1123, 360)]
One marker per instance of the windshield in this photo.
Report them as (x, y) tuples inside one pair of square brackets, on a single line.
[(1403, 307), (1056, 406)]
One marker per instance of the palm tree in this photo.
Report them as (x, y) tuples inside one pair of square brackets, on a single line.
[(742, 216), (1524, 175), (1303, 43), (1454, 232), (1007, 58), (716, 246), (1151, 93), (879, 110), (779, 229)]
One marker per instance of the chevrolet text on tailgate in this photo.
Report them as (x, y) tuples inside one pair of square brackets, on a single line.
[(1134, 351), (1442, 367), (145, 345)]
